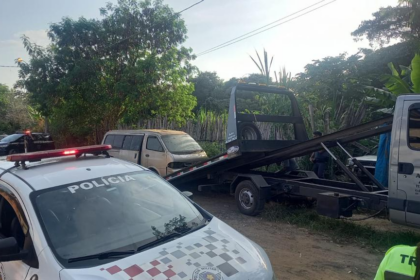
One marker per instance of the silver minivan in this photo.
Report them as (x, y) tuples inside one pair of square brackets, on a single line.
[(162, 151)]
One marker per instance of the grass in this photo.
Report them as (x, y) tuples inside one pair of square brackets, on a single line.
[(340, 230)]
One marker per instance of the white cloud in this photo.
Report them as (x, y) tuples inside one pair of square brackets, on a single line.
[(38, 37)]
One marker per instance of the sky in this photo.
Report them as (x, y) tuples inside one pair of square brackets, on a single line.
[(322, 33)]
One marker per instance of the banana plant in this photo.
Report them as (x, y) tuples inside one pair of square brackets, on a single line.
[(395, 84)]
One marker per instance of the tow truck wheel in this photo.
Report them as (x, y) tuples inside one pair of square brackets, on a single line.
[(249, 131), (247, 198)]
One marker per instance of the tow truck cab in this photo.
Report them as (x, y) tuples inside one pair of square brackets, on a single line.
[(404, 165)]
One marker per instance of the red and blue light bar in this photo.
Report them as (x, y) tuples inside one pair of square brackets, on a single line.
[(59, 153)]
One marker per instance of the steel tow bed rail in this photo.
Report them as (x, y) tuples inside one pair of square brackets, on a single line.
[(348, 135), (248, 161)]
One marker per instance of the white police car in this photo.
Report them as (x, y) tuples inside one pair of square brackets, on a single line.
[(94, 217)]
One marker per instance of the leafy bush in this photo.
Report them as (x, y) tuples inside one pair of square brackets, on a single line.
[(212, 148)]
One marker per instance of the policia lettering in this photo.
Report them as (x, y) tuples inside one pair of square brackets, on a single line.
[(100, 182)]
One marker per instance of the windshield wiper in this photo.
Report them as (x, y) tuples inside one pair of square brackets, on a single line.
[(102, 256), (170, 236)]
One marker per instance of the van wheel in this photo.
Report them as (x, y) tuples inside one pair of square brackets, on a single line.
[(247, 198), (248, 131), (154, 171)]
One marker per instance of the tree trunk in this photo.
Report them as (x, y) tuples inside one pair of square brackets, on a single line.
[(327, 123), (46, 125), (311, 116)]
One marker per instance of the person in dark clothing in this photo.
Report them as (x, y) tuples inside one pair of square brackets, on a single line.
[(29, 142), (319, 158)]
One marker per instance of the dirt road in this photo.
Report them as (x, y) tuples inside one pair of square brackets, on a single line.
[(295, 253)]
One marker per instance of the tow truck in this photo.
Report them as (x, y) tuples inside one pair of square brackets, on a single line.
[(239, 169)]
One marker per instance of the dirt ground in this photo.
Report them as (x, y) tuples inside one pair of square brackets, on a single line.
[(295, 253)]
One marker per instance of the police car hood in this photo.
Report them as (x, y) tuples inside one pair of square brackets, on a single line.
[(214, 252)]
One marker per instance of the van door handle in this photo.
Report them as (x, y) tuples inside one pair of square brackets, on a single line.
[(147, 155), (405, 168)]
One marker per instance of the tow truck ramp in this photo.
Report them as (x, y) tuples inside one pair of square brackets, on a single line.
[(234, 159)]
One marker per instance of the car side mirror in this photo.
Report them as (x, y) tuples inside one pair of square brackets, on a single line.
[(190, 195), (10, 251)]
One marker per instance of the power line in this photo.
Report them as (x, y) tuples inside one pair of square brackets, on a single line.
[(190, 6), (7, 66), (228, 43), (265, 26)]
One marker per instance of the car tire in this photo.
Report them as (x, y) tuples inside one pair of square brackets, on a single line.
[(12, 151), (248, 131), (247, 197), (154, 171)]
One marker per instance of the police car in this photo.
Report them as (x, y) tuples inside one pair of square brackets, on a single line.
[(79, 214)]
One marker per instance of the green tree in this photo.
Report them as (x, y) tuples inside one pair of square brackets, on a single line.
[(399, 22), (126, 66), (375, 62), (4, 90), (15, 111), (210, 92), (334, 88)]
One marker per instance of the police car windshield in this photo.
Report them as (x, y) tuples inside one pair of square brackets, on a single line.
[(111, 213), (11, 138), (181, 144)]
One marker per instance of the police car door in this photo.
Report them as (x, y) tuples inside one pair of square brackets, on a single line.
[(11, 227)]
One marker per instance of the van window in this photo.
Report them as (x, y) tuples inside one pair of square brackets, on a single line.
[(181, 144), (127, 142), (109, 140), (414, 129), (136, 142), (153, 144), (118, 141)]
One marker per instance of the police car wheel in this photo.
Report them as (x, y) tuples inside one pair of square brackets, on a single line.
[(247, 198)]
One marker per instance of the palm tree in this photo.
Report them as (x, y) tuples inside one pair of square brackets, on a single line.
[(265, 68), (283, 78)]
